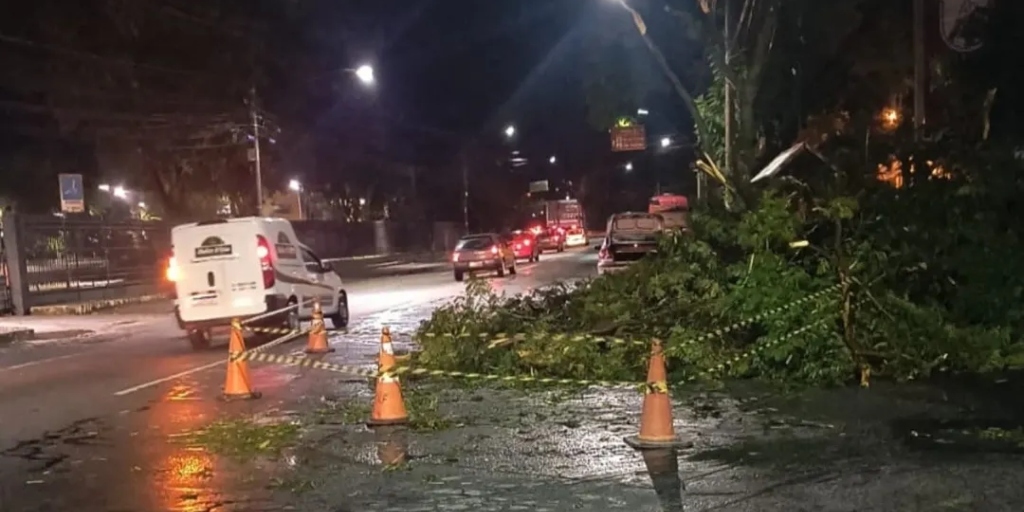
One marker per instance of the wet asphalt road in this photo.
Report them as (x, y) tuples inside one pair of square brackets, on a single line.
[(75, 414)]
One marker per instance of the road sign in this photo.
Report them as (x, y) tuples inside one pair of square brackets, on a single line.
[(959, 22), (629, 138), (72, 193), (538, 186)]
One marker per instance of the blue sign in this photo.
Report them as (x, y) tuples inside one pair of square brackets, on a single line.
[(72, 193)]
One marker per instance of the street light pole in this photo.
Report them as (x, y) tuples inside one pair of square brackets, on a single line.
[(465, 192), (920, 68), (254, 117)]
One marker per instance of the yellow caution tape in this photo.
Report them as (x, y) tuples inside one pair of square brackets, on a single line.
[(271, 330), (502, 339), (306, 362)]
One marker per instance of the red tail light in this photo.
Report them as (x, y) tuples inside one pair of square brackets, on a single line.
[(266, 263), (494, 249), (526, 242)]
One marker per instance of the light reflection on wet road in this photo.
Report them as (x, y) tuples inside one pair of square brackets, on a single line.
[(85, 424)]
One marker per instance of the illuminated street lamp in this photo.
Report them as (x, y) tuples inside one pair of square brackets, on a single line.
[(365, 74), (629, 166), (552, 160), (642, 112), (120, 193), (890, 118), (510, 131), (104, 187), (666, 142), (297, 188)]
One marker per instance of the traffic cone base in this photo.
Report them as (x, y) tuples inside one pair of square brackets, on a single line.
[(636, 443)]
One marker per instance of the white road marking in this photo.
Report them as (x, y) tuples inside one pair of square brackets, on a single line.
[(41, 361), (152, 383)]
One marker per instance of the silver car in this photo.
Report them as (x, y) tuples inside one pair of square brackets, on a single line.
[(630, 236), (485, 252)]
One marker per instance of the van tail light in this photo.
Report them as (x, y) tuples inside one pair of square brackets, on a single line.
[(173, 271), (455, 256), (494, 249), (266, 265)]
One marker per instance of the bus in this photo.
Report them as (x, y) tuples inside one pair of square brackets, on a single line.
[(673, 208)]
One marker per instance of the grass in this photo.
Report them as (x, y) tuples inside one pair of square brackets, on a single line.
[(245, 438), (423, 407)]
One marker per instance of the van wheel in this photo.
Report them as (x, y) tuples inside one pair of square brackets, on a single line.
[(459, 277), (340, 319), (291, 321), (199, 339)]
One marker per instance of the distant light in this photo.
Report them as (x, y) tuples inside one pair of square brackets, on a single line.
[(510, 131), (666, 142), (629, 166), (104, 187), (120, 192), (365, 74), (552, 160), (295, 185), (362, 201), (641, 112), (142, 205)]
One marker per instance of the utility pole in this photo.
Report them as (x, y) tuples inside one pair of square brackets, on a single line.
[(920, 68), (254, 117)]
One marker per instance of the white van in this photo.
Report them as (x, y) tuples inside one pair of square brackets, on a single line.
[(241, 268)]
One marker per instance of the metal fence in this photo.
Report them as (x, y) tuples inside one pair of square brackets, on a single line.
[(56, 260)]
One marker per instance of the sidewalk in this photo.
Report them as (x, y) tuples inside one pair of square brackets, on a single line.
[(495, 450)]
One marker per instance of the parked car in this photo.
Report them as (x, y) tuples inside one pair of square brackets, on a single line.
[(524, 245), (246, 267), (550, 239), (629, 237), (575, 237), (485, 252)]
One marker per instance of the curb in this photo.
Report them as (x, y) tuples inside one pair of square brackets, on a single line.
[(84, 308), (8, 337)]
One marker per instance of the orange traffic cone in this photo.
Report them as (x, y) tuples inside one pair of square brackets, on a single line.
[(656, 429), (318, 332), (236, 384), (388, 406)]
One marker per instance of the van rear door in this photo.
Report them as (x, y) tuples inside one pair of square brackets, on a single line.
[(220, 272)]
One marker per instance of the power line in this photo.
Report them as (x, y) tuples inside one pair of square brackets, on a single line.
[(94, 57)]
